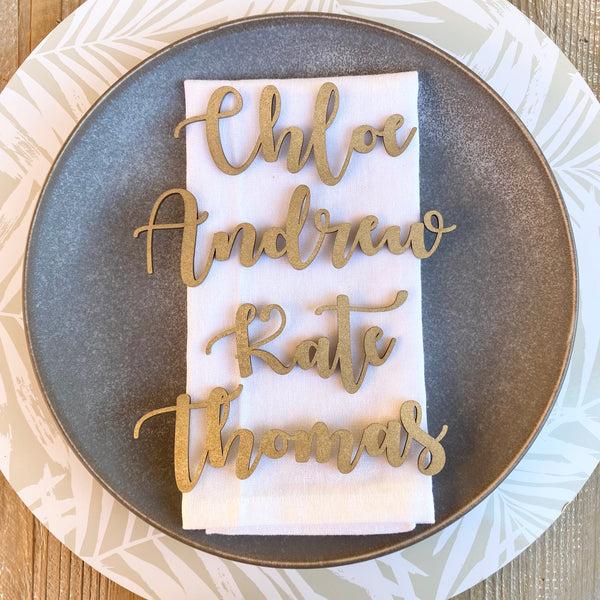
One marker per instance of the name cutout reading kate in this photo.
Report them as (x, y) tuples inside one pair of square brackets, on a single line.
[(394, 439)]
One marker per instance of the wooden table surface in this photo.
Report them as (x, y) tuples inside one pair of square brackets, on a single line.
[(563, 564)]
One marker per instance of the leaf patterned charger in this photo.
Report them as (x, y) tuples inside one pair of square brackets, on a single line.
[(40, 107)]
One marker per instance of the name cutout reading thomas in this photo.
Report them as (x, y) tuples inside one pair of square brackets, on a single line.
[(284, 241)]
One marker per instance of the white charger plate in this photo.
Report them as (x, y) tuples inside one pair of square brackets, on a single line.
[(40, 107)]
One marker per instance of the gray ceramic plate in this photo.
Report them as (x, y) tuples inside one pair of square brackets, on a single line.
[(108, 341)]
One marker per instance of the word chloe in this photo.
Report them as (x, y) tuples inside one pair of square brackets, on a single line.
[(363, 138), (393, 439)]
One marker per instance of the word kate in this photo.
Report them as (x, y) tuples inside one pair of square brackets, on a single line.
[(394, 440), (309, 353), (363, 139), (277, 242)]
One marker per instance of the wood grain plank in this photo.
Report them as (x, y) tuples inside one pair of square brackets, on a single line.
[(9, 41), (91, 584), (68, 6), (65, 574), (45, 16), (24, 32), (16, 546), (53, 549), (116, 592), (40, 561), (76, 577)]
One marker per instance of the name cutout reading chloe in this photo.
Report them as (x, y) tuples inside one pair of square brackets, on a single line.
[(394, 439), (363, 138)]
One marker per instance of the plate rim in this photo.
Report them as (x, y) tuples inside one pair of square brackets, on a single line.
[(434, 528)]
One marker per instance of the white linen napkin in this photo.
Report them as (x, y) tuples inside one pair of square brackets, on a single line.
[(283, 496)]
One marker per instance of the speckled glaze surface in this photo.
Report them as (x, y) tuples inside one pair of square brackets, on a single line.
[(499, 298)]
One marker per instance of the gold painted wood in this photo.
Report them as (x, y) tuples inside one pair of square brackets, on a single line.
[(563, 564)]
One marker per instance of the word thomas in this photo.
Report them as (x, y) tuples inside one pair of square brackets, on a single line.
[(394, 440), (363, 139), (277, 242), (309, 353)]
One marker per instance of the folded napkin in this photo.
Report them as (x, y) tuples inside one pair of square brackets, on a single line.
[(284, 496)]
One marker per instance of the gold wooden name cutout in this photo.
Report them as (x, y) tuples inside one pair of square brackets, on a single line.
[(309, 353), (278, 242), (363, 139), (393, 439)]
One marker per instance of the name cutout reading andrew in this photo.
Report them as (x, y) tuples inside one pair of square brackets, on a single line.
[(283, 241)]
